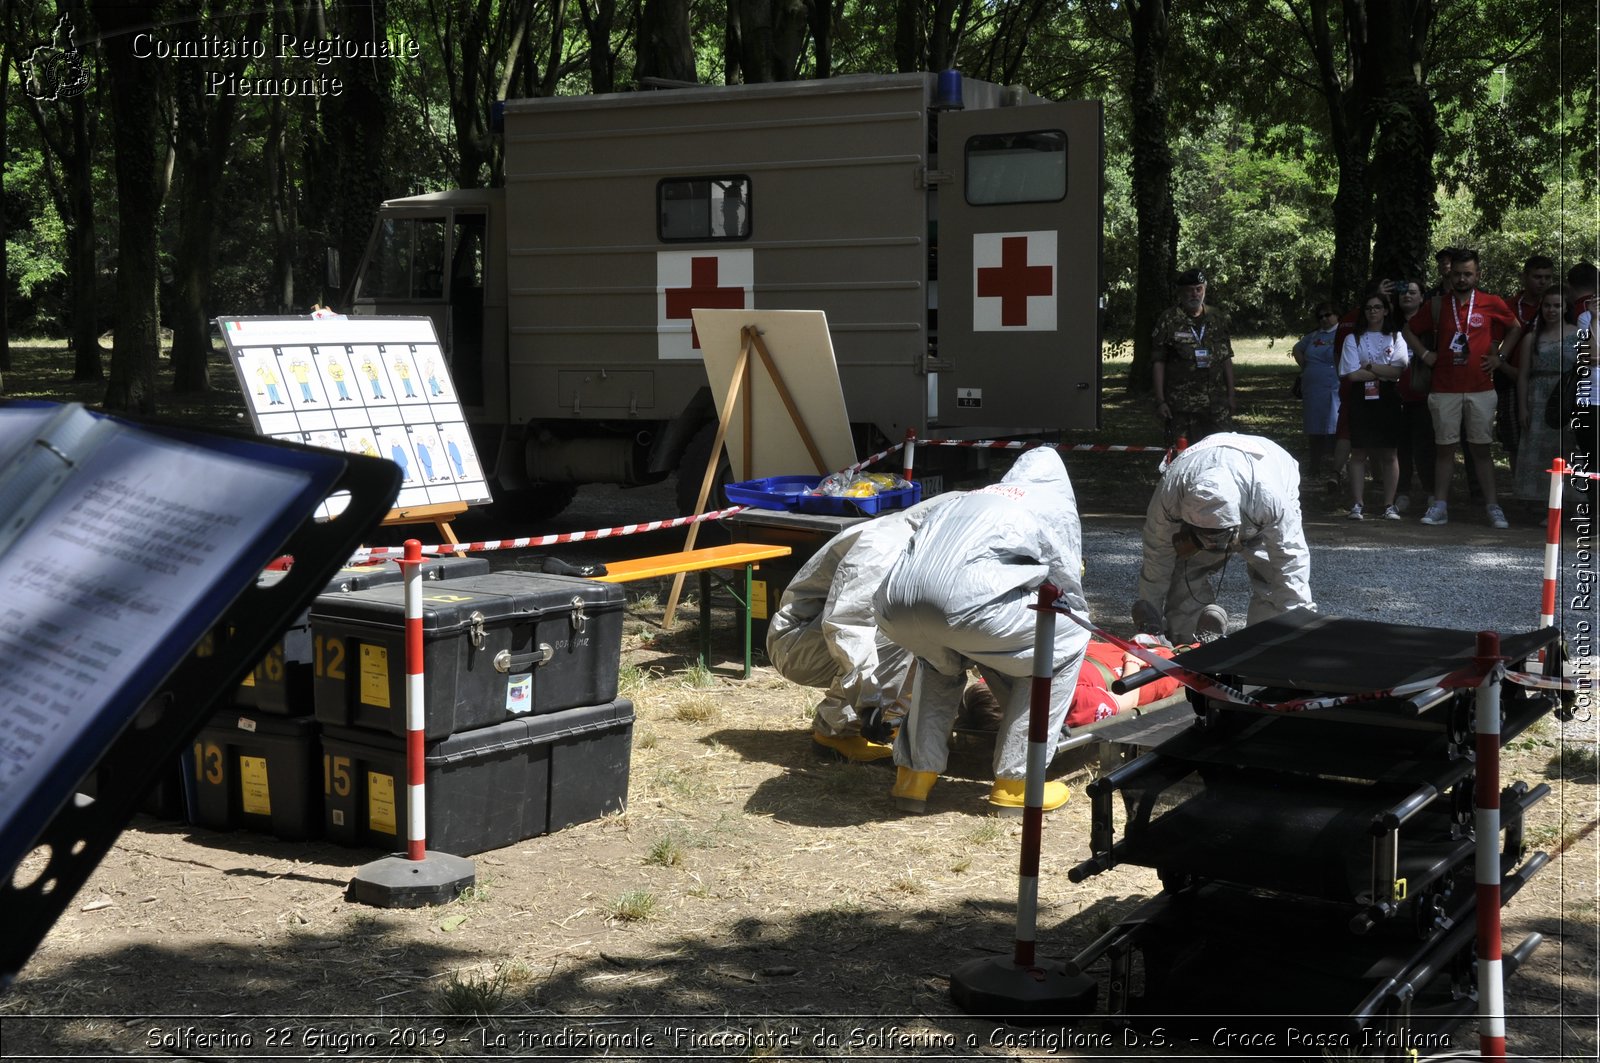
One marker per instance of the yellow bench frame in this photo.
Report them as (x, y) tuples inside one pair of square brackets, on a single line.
[(705, 561)]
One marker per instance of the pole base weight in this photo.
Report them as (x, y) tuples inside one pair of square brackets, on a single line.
[(397, 882), (994, 987)]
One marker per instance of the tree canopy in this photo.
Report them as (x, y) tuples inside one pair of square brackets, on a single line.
[(170, 162)]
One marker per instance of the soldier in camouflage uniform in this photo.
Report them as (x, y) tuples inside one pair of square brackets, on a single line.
[(1193, 364)]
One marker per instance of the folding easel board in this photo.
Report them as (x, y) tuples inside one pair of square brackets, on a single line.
[(801, 351), (377, 386)]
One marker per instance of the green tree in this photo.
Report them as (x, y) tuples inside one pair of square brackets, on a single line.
[(67, 126)]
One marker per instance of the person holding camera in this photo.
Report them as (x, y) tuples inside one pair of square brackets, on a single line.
[(1192, 364)]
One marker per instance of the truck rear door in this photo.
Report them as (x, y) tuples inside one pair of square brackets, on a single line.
[(1019, 269)]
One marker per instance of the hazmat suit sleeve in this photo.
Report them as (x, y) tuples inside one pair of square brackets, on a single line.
[(848, 624), (1161, 523), (1278, 555), (796, 642)]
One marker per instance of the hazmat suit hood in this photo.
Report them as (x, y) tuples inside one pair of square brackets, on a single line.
[(974, 555), (1212, 500)]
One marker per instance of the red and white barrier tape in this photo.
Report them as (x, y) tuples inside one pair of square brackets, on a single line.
[(375, 553)]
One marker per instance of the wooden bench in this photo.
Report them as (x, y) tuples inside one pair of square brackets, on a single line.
[(705, 560)]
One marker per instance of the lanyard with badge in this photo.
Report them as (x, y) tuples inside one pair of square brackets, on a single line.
[(1202, 356), (1458, 342)]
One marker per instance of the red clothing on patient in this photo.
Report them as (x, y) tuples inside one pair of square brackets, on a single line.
[(1092, 698)]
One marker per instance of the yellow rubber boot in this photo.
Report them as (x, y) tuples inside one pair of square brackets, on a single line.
[(911, 789), (852, 747), (1006, 797)]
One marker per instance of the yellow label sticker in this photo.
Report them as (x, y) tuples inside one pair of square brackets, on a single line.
[(375, 675), (253, 786), (380, 803), (758, 599), (250, 680)]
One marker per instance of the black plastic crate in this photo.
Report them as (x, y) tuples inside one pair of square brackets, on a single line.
[(484, 789), (495, 648), (281, 681), (253, 771)]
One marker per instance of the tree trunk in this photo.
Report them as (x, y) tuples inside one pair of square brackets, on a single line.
[(203, 136), (280, 210), (1152, 181), (357, 125), (772, 34), (85, 263), (597, 26), (666, 47), (139, 142), (908, 39)]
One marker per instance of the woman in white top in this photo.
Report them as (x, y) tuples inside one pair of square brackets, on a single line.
[(1373, 357)]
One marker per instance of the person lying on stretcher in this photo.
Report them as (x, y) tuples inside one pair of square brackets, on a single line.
[(1092, 697)]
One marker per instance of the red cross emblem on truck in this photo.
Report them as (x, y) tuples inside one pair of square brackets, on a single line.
[(703, 293), (1014, 280)]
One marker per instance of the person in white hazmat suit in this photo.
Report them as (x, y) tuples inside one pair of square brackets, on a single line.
[(960, 595), (824, 633), (1228, 493)]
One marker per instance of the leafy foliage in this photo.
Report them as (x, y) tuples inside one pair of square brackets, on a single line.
[(1302, 153)]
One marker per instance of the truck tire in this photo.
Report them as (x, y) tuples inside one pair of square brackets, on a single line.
[(513, 510), (692, 472)]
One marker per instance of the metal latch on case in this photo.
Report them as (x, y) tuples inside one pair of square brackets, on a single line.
[(506, 661), (579, 621), (475, 629)]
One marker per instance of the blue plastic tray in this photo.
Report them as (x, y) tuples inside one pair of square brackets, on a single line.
[(789, 493)]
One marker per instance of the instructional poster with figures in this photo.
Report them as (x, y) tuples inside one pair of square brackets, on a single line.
[(377, 386)]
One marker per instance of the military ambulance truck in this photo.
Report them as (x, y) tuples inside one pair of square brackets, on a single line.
[(949, 228)]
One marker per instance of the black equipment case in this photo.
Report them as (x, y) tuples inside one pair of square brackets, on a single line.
[(495, 648)]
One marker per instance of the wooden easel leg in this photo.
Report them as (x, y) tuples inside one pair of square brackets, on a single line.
[(738, 383)]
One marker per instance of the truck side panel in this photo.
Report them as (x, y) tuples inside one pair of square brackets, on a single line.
[(838, 222)]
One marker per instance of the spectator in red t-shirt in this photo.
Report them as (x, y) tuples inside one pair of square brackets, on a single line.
[(1472, 329), (1538, 273)]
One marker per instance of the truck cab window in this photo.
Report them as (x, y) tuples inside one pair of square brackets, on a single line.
[(1017, 167), (703, 208), (408, 261)]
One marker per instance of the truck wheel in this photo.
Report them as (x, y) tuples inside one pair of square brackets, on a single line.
[(692, 473), (514, 509)]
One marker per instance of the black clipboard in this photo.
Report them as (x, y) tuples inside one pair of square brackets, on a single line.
[(164, 701)]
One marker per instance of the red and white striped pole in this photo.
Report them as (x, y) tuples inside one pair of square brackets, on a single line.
[(1486, 823), (416, 716), (910, 453), (1044, 651), (1552, 547)]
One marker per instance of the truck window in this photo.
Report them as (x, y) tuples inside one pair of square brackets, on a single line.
[(703, 208), (409, 260), (1017, 167)]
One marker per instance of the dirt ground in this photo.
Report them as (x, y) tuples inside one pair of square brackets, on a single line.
[(753, 901)]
